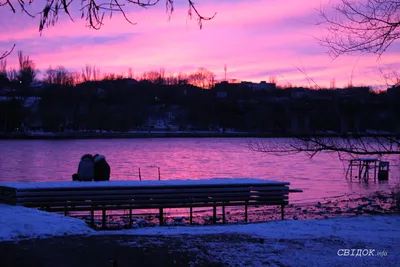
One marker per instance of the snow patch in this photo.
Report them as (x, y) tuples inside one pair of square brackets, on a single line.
[(24, 223), (274, 243)]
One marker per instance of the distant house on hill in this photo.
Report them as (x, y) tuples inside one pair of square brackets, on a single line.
[(298, 92), (263, 85), (130, 81), (358, 92), (225, 89)]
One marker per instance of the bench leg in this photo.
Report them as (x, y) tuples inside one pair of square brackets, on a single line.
[(214, 219), (161, 217), (104, 219), (245, 212), (283, 211), (191, 215), (223, 213), (92, 218), (130, 218)]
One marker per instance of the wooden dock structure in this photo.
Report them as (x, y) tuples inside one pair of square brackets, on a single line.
[(364, 168)]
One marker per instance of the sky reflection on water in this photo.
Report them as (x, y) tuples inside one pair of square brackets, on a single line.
[(183, 158)]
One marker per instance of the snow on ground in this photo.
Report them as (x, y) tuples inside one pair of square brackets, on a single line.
[(25, 223), (74, 184), (295, 243), (347, 227), (274, 243)]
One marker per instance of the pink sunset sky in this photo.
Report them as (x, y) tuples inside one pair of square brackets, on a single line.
[(256, 40)]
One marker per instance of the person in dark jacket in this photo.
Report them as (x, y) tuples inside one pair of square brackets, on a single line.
[(85, 169), (101, 168)]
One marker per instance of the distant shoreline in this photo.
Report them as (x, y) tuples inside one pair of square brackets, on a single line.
[(167, 134)]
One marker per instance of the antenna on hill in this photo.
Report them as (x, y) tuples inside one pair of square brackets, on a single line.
[(225, 71)]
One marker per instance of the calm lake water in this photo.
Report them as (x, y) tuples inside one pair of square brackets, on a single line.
[(184, 158)]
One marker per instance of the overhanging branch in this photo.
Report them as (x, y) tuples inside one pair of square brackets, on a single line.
[(375, 145), (93, 11), (7, 53)]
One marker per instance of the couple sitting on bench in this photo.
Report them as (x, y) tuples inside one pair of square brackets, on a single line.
[(92, 168)]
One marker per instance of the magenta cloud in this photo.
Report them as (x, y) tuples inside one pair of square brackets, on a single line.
[(255, 40)]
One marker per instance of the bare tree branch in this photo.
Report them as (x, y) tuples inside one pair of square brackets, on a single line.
[(7, 53), (197, 14), (343, 146), (390, 76), (309, 79), (367, 26), (93, 11)]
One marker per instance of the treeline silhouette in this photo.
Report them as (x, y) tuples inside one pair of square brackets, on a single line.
[(64, 100)]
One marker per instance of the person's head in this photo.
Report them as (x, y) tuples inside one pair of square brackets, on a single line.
[(98, 158), (87, 156)]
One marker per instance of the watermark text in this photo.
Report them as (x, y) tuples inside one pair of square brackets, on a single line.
[(366, 252)]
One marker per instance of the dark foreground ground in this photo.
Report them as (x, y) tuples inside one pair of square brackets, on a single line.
[(108, 251)]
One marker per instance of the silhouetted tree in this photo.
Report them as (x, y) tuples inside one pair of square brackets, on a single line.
[(3, 73), (93, 11), (156, 77), (90, 73), (58, 75), (130, 73), (202, 78), (12, 74), (390, 76), (13, 115), (361, 26), (112, 76), (27, 71), (353, 26)]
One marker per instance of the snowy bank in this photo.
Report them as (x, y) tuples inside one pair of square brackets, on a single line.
[(24, 223), (332, 242), (20, 222), (342, 241), (367, 228)]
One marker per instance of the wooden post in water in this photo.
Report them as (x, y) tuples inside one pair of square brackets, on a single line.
[(159, 175), (140, 176), (283, 211)]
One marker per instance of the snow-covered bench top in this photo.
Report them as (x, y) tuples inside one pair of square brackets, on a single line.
[(153, 183)]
